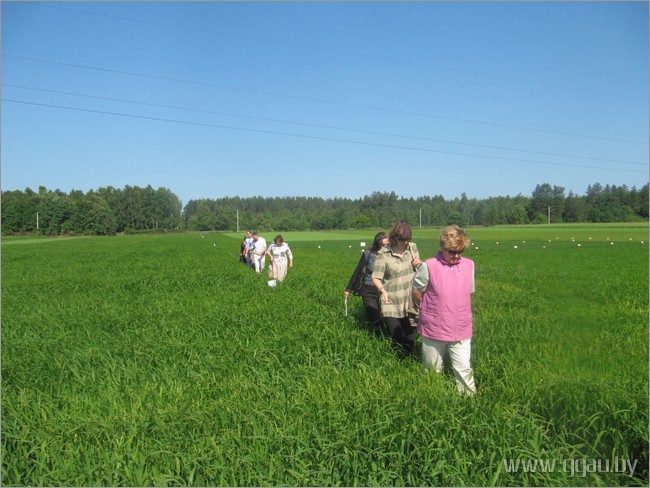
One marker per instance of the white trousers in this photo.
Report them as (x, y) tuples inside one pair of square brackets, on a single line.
[(259, 262), (279, 270), (434, 352)]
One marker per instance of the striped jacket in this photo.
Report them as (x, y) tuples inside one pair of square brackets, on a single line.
[(396, 273)]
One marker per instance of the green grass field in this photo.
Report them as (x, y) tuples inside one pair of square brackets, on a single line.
[(162, 361)]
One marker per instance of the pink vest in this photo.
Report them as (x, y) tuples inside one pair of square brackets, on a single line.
[(446, 306)]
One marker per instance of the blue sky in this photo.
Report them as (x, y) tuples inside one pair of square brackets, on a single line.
[(329, 99)]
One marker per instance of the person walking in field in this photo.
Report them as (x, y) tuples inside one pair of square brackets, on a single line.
[(242, 254), (362, 276), (443, 285), (259, 252), (247, 251), (393, 275), (280, 254)]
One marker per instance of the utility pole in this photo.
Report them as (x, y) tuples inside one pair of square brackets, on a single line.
[(238, 221), (549, 214), (420, 217), (37, 227)]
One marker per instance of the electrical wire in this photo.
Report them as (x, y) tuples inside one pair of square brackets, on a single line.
[(339, 51), (322, 126), (319, 100), (329, 139)]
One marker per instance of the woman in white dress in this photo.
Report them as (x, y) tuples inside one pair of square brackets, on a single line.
[(280, 255)]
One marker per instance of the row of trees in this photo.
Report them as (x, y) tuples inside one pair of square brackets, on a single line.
[(102, 212), (132, 209), (379, 210)]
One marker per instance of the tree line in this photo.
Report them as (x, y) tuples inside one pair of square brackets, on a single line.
[(108, 211), (105, 211)]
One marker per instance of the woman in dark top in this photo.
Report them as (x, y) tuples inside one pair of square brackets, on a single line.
[(363, 273)]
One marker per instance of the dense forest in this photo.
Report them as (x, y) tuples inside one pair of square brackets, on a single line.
[(108, 211)]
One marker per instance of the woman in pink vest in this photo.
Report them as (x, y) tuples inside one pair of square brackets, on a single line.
[(444, 285)]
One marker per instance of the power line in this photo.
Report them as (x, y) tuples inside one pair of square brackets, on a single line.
[(323, 126), (329, 139), (319, 100), (343, 52)]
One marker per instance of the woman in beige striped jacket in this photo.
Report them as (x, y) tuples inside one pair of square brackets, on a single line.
[(393, 277)]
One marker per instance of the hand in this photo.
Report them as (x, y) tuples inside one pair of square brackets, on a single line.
[(384, 297), (346, 293), (416, 262), (417, 296)]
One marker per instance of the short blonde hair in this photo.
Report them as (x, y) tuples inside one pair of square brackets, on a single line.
[(454, 238)]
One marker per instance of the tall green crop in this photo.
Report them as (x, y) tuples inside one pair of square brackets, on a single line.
[(163, 361)]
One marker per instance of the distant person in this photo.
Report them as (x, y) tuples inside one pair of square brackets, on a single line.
[(280, 255), (247, 248), (393, 275), (361, 280), (258, 252), (443, 286)]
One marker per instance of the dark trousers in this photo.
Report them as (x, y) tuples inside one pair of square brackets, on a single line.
[(370, 297), (401, 333)]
